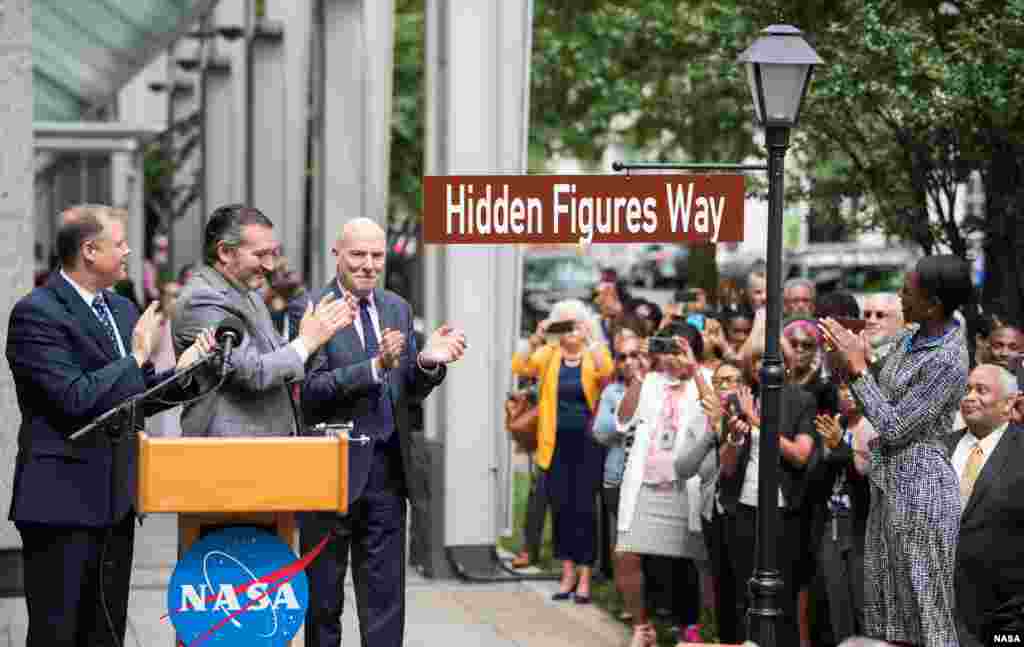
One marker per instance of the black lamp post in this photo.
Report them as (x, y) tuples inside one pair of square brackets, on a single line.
[(779, 66)]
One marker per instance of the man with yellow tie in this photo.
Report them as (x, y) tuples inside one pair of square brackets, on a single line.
[(988, 457)]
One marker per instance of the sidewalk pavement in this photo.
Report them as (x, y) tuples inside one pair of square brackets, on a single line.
[(451, 613)]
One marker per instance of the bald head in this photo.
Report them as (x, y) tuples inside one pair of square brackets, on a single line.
[(361, 250), (360, 229)]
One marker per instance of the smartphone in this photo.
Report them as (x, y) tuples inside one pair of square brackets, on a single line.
[(732, 406), (561, 327), (696, 320), (851, 324), (662, 346)]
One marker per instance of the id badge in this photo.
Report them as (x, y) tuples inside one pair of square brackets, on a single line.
[(666, 440)]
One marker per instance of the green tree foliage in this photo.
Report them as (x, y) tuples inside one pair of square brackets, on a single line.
[(408, 110), (913, 97), (655, 75)]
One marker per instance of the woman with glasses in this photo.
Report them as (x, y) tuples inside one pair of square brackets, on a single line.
[(838, 479), (739, 495), (910, 397), (571, 367), (630, 368), (727, 383)]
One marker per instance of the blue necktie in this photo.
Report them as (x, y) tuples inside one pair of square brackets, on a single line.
[(100, 306), (383, 415)]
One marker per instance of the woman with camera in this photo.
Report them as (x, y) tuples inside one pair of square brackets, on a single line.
[(665, 432), (571, 367)]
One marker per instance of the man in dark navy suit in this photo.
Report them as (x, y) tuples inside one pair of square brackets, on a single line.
[(367, 374), (76, 350)]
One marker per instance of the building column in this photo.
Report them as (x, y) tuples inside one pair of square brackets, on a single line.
[(477, 115), (16, 239), (280, 68), (225, 110), (358, 37)]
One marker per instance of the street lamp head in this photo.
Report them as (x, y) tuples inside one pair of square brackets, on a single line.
[(779, 66)]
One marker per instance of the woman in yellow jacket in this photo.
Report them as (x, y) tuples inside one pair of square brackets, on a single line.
[(571, 372)]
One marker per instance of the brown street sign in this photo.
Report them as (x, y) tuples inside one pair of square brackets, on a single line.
[(583, 209)]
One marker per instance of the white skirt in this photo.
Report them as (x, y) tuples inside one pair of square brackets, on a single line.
[(661, 525)]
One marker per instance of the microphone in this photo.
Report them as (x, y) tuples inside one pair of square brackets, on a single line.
[(229, 334)]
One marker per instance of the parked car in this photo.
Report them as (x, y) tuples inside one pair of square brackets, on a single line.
[(853, 267), (551, 275), (658, 264)]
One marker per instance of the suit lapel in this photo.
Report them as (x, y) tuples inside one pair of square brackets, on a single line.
[(256, 319), (347, 339), (994, 466), (83, 313)]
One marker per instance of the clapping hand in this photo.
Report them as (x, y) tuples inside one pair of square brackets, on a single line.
[(319, 324), (392, 345), (828, 427), (146, 333), (202, 346), (849, 352), (445, 345)]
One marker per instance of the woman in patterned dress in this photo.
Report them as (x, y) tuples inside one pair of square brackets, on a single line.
[(910, 397)]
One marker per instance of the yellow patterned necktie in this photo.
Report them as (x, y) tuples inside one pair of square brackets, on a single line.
[(971, 471)]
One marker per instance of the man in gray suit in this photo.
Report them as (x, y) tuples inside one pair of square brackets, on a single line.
[(257, 398)]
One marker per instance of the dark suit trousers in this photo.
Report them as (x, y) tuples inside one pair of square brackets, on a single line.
[(726, 603), (841, 559), (66, 605), (374, 531)]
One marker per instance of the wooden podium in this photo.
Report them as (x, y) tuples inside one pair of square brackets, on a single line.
[(242, 481), (262, 481)]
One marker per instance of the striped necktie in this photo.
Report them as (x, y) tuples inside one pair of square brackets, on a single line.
[(99, 305)]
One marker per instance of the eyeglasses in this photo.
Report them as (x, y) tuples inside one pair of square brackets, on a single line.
[(876, 314), (722, 381)]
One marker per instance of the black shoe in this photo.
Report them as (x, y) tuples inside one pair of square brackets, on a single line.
[(564, 595), (582, 599)]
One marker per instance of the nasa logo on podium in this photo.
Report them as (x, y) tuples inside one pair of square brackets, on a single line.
[(239, 586)]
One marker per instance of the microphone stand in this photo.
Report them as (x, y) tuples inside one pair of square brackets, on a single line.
[(129, 405)]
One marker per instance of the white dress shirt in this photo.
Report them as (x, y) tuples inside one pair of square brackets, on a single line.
[(89, 297), (357, 322), (966, 445)]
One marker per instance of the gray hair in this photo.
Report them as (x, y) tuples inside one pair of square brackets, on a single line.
[(798, 283), (863, 641), (889, 299), (1010, 385), (576, 309), (1006, 379)]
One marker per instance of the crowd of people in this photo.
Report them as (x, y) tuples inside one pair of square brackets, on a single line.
[(901, 454), (899, 448)]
